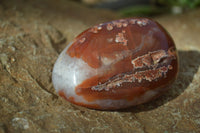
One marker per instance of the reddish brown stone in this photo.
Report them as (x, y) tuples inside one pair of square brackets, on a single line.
[(131, 58)]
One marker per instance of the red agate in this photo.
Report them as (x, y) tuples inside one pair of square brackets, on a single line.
[(117, 64)]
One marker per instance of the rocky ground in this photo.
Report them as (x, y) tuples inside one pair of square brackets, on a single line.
[(33, 33)]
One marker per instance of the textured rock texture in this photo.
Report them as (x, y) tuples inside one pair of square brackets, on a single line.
[(33, 33)]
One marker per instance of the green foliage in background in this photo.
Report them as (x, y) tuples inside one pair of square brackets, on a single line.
[(180, 3), (141, 10), (159, 7)]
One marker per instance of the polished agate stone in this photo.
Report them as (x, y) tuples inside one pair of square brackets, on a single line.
[(116, 65)]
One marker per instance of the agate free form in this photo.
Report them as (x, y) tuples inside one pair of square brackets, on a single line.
[(116, 65)]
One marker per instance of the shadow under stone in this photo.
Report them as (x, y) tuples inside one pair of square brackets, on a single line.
[(189, 62)]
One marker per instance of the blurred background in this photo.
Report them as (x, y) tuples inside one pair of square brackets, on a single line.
[(144, 7)]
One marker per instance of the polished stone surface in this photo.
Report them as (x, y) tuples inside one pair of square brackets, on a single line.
[(117, 64)]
